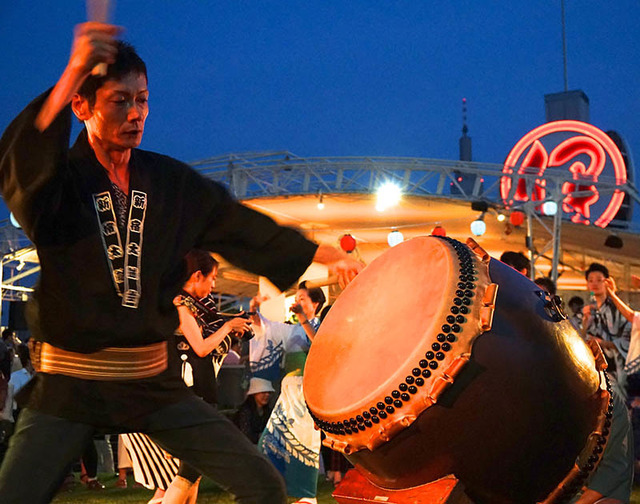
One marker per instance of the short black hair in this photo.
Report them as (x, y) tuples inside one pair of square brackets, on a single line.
[(200, 260), (7, 333), (547, 284), (127, 61), (576, 301), (516, 260), (315, 294), (596, 267)]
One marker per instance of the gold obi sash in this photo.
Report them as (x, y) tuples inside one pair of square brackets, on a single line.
[(108, 364)]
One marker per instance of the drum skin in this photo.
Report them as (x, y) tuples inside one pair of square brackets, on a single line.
[(515, 419)]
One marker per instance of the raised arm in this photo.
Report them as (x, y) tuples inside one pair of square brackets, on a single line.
[(254, 307), (32, 158), (93, 43), (622, 307)]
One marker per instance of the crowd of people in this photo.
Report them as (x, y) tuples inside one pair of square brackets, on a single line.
[(278, 423), (274, 416)]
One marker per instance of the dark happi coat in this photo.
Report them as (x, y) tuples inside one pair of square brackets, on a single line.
[(100, 287)]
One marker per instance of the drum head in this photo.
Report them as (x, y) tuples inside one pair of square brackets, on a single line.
[(380, 323), (367, 365)]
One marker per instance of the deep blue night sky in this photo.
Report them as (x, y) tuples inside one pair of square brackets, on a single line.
[(335, 78)]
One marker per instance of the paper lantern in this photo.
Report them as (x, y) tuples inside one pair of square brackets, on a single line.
[(439, 231), (478, 227), (394, 238), (347, 243), (516, 218)]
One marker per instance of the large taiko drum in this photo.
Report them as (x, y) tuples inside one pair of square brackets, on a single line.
[(437, 360)]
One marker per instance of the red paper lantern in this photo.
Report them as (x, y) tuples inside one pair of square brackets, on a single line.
[(516, 218), (439, 231), (347, 243)]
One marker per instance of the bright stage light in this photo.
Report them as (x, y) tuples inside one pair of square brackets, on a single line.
[(387, 195), (501, 217)]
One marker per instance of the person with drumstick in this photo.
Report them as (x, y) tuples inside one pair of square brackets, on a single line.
[(290, 428), (111, 224)]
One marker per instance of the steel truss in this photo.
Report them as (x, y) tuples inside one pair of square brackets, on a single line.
[(258, 175)]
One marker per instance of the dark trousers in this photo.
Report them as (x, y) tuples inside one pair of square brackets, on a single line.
[(90, 459), (43, 446)]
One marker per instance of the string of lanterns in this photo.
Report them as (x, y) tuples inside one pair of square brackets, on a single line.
[(389, 194), (478, 227)]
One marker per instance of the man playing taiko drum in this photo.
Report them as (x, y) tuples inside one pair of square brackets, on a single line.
[(112, 225)]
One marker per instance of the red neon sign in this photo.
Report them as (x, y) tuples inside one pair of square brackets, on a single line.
[(585, 143)]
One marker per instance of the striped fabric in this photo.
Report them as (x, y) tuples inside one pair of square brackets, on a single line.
[(108, 364), (152, 466)]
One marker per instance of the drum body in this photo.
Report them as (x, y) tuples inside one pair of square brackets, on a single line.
[(508, 397)]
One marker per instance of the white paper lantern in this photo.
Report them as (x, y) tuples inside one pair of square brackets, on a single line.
[(478, 227), (394, 238)]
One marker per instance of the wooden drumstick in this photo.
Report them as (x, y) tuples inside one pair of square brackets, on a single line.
[(98, 10), (321, 282)]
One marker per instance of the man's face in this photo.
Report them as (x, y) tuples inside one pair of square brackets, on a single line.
[(595, 282), (120, 110)]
